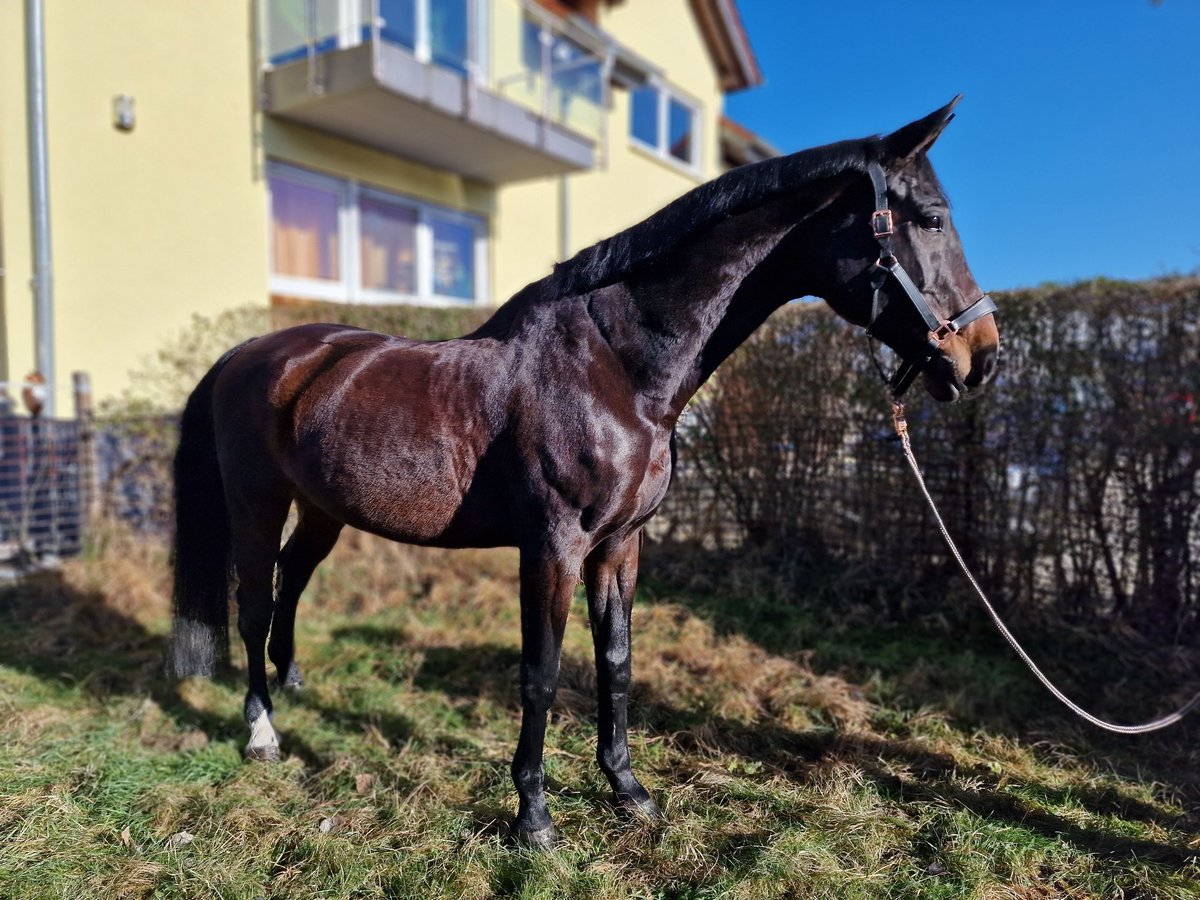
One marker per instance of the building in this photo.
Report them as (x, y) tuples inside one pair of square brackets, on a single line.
[(204, 157)]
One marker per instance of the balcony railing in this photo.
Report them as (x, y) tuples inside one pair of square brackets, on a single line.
[(512, 49)]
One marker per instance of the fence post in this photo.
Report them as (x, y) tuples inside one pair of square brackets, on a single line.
[(89, 470)]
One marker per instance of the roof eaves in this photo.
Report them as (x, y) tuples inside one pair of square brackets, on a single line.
[(728, 43)]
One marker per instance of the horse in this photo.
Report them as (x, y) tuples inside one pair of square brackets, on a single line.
[(551, 427)]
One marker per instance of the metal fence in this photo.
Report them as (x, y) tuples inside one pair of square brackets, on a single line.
[(59, 475), (43, 484)]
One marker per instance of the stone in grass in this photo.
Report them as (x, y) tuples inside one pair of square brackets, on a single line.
[(179, 839), (332, 825), (936, 868), (364, 783)]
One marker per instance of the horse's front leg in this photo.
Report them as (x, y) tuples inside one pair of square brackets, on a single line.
[(610, 574), (548, 579)]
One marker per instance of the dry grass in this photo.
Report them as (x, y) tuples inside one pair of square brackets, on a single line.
[(796, 754)]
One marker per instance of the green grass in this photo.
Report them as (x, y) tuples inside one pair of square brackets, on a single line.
[(796, 751)]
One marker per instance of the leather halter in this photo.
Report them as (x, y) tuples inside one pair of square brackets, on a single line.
[(883, 227)]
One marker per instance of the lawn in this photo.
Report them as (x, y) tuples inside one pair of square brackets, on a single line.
[(797, 751)]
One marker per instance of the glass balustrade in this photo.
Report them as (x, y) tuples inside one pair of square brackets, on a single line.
[(520, 53)]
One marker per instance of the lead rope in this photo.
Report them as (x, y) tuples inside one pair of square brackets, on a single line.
[(902, 432)]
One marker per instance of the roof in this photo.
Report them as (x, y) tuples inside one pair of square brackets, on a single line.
[(740, 145), (728, 43)]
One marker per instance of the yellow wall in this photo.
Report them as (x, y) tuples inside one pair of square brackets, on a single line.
[(169, 220), (15, 252), (148, 226), (633, 183)]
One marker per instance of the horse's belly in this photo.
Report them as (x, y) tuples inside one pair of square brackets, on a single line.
[(422, 494)]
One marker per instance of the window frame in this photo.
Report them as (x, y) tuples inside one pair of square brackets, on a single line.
[(662, 151), (349, 287)]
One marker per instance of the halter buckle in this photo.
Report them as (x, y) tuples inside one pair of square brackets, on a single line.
[(943, 331), (882, 224)]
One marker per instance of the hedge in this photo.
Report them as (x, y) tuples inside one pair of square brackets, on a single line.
[(1072, 481)]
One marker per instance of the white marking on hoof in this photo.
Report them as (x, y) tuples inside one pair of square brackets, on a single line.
[(264, 742)]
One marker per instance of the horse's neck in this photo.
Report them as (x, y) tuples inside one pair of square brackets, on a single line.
[(673, 324)]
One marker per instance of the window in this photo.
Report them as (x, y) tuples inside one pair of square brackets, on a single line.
[(453, 258), (388, 242), (448, 33), (305, 234), (398, 22), (665, 124), (334, 239), (643, 117)]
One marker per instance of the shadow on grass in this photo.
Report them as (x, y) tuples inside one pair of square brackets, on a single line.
[(71, 638), (937, 649), (487, 671), (51, 630)]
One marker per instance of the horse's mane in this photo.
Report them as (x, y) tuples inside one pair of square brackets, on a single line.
[(734, 192)]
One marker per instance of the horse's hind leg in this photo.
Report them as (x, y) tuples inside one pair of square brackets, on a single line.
[(311, 542), (610, 575), (256, 527)]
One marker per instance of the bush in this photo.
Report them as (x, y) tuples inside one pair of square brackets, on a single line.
[(1072, 483)]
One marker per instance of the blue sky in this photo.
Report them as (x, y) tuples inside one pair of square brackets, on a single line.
[(1076, 150)]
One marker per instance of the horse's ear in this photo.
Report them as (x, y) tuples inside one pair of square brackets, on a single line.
[(919, 136)]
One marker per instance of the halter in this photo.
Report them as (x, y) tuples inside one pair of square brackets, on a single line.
[(883, 227)]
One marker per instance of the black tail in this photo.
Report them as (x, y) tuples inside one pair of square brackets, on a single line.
[(202, 551)]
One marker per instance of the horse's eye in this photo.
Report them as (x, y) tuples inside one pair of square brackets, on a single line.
[(931, 223)]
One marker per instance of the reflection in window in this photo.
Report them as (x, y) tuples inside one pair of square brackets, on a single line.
[(399, 24), (388, 246), (453, 259), (643, 117), (664, 123), (448, 33), (304, 229), (680, 122), (575, 73)]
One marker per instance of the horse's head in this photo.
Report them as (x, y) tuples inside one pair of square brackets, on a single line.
[(899, 270)]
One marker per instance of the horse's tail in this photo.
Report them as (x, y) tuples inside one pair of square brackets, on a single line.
[(202, 549)]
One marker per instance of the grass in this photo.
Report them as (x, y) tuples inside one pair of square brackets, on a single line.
[(796, 752)]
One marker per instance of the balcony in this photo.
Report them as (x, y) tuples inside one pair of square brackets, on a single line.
[(497, 90)]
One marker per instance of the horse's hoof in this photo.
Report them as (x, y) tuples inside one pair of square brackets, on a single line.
[(643, 808), (541, 839), (263, 754)]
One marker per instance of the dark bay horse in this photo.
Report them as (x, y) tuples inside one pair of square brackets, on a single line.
[(550, 428)]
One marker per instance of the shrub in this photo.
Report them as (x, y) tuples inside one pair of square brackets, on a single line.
[(1072, 482)]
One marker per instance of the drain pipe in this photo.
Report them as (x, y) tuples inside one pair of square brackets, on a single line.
[(39, 196), (564, 218)]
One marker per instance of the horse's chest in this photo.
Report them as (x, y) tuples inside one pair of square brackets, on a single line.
[(633, 489)]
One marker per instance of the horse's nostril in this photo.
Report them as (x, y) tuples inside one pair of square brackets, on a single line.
[(983, 367), (987, 364)]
